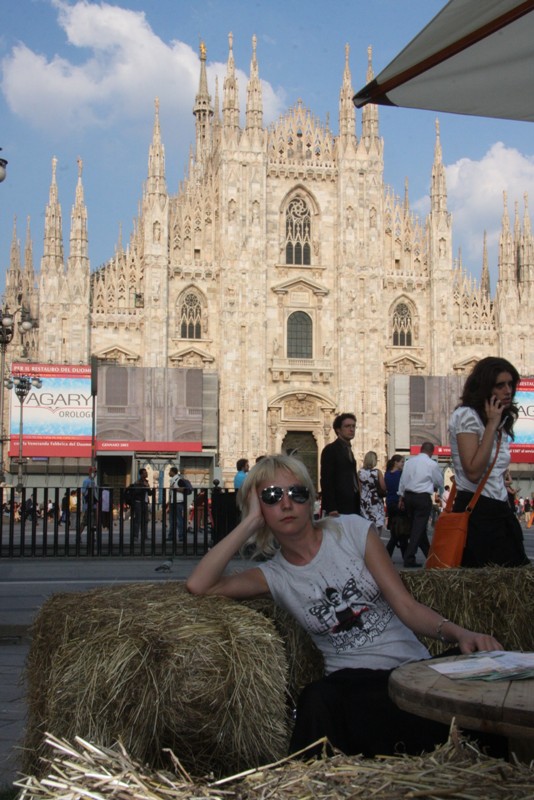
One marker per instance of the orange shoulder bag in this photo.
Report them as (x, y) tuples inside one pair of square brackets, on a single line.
[(450, 531)]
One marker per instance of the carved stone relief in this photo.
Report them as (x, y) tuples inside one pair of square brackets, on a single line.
[(299, 406)]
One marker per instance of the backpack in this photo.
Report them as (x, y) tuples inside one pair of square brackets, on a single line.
[(186, 485), (129, 494)]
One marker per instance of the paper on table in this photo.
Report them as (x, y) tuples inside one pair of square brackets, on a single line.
[(488, 666)]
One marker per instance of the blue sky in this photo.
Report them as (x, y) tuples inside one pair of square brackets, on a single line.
[(79, 79)]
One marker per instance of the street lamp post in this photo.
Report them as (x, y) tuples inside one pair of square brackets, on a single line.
[(3, 165), (6, 334), (23, 384), (4, 341), (7, 331)]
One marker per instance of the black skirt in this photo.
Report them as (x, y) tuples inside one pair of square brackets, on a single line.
[(494, 535), (353, 710)]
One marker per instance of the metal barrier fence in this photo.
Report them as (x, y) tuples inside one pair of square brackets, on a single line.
[(105, 526)]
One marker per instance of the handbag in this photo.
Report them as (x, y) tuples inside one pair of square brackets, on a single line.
[(402, 526), (380, 492), (450, 531)]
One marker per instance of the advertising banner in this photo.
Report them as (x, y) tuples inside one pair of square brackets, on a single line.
[(138, 409), (522, 449), (57, 418)]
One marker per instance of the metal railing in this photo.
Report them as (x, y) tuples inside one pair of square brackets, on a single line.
[(42, 523)]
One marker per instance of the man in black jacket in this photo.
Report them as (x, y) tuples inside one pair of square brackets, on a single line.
[(340, 488), (141, 505)]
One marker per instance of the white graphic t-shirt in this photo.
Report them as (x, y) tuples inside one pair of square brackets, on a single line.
[(337, 601)]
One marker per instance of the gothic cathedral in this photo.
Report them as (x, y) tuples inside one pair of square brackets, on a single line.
[(285, 267)]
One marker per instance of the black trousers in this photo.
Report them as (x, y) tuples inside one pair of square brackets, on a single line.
[(399, 530), (418, 507), (352, 708)]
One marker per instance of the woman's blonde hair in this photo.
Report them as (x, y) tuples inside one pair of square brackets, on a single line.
[(263, 472), (370, 460)]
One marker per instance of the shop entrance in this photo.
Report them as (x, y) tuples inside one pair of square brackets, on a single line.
[(113, 471)]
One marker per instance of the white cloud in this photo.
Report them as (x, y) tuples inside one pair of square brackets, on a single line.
[(475, 198), (127, 68)]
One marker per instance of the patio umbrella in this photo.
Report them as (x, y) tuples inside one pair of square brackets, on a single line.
[(472, 58)]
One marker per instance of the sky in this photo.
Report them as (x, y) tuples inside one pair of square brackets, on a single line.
[(79, 78)]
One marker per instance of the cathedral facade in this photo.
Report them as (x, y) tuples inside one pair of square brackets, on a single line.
[(285, 268)]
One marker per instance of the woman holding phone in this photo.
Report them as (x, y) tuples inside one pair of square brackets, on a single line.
[(479, 428)]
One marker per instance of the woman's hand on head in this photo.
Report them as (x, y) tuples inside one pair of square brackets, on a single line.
[(471, 642), (254, 507)]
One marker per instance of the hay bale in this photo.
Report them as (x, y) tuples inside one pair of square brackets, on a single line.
[(208, 677), (457, 769), (494, 600), (305, 662), (155, 668)]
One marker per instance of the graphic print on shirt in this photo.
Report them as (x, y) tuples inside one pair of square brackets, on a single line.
[(349, 616)]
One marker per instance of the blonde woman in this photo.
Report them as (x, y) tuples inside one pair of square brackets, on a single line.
[(373, 490), (336, 579)]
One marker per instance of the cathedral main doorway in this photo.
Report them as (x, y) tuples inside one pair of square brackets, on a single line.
[(302, 444)]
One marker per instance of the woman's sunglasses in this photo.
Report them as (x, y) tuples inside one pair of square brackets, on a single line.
[(273, 494)]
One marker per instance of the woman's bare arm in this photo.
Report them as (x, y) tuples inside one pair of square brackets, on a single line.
[(419, 618), (382, 483), (208, 576)]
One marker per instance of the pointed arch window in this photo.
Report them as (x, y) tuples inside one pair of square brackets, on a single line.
[(298, 232), (402, 326), (190, 316), (299, 335)]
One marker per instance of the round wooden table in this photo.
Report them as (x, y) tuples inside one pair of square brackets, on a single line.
[(502, 707)]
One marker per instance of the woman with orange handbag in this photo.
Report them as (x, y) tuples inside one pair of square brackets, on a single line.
[(486, 415)]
